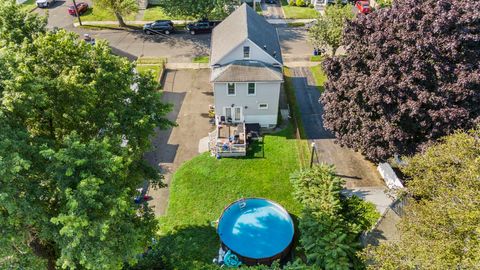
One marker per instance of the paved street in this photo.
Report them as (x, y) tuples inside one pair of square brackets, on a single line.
[(272, 11), (58, 14), (178, 47)]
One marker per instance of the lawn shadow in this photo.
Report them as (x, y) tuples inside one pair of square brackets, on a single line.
[(184, 248), (256, 149)]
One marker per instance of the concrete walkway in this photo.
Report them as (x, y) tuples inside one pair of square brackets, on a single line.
[(139, 22), (186, 65)]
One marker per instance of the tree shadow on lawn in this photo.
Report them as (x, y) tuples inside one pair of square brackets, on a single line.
[(184, 248), (255, 149)]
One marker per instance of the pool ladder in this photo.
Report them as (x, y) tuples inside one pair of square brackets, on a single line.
[(242, 203)]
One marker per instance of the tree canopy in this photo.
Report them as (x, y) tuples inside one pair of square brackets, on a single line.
[(119, 7), (198, 9), (441, 223), (411, 76), (328, 29), (75, 121)]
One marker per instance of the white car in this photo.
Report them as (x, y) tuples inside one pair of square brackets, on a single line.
[(44, 3)]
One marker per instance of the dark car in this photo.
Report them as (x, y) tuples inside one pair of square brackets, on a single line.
[(270, 1), (82, 7), (159, 27), (203, 26)]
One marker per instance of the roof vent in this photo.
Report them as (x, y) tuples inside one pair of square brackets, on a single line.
[(274, 54), (277, 65), (265, 47)]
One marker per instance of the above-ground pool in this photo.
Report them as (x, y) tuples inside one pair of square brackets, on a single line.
[(257, 230)]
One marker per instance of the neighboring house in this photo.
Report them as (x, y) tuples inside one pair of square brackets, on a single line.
[(246, 69), (246, 75)]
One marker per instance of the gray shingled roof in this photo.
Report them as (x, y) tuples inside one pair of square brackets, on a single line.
[(247, 71), (244, 23)]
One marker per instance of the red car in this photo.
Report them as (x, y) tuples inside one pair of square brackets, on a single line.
[(363, 7), (82, 7)]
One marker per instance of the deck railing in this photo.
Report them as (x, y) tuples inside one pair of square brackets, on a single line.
[(219, 147)]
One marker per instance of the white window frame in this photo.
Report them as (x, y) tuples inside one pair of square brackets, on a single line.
[(234, 90), (263, 108), (254, 89), (249, 52)]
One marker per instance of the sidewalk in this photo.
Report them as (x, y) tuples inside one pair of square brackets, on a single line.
[(272, 21)]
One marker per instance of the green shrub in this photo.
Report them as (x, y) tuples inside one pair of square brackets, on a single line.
[(331, 223), (300, 3), (385, 3), (311, 5), (292, 3), (360, 213)]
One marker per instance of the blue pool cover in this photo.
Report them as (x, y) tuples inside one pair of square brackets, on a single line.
[(256, 228)]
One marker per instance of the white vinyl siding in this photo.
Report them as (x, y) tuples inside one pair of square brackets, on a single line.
[(263, 106)]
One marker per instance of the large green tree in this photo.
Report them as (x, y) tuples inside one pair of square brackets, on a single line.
[(328, 29), (411, 76), (75, 121), (441, 224), (198, 9), (15, 28), (120, 8)]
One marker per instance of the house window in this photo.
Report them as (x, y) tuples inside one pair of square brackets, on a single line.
[(246, 52), (251, 89), (263, 106), (231, 89)]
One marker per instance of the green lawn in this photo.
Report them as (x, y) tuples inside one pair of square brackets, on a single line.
[(320, 76), (96, 13), (151, 60), (28, 5), (154, 13), (201, 59), (203, 186), (316, 58), (293, 12), (154, 65), (151, 68)]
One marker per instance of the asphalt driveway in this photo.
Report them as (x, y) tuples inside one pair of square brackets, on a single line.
[(351, 165), (190, 93)]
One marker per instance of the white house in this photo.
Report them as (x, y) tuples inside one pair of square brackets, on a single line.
[(246, 64)]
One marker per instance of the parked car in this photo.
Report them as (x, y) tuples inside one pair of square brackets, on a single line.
[(270, 1), (203, 26), (363, 7), (44, 3), (82, 7), (160, 26)]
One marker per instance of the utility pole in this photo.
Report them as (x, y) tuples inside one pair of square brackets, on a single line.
[(311, 156), (76, 12)]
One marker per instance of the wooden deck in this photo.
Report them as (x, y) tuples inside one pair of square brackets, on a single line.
[(228, 140)]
